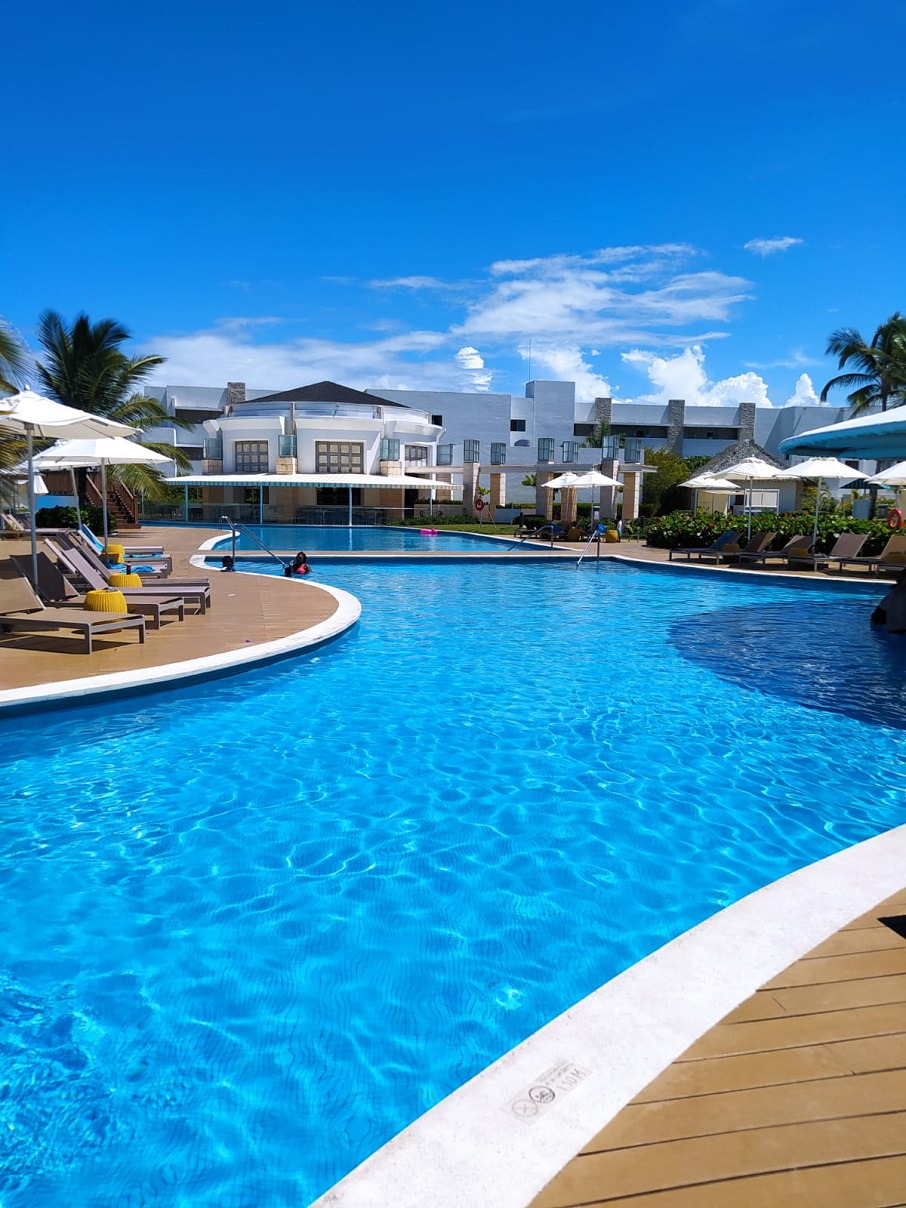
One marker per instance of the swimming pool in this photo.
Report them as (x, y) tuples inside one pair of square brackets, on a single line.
[(392, 540), (255, 928)]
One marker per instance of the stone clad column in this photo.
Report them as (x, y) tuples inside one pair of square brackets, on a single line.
[(676, 418), (608, 497), (471, 475), (632, 494), (497, 497)]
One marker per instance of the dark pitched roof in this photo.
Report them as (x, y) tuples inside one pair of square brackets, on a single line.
[(739, 450), (325, 392)]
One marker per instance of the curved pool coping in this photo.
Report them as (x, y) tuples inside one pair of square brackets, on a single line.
[(473, 1149), (73, 691)]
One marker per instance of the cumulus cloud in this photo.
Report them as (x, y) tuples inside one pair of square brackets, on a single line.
[(683, 376), (476, 375), (570, 307), (566, 363), (770, 247), (804, 394)]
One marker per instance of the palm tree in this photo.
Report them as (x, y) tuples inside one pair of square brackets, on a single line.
[(85, 367), (876, 371), (14, 359)]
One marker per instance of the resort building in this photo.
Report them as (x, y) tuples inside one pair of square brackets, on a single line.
[(246, 443)]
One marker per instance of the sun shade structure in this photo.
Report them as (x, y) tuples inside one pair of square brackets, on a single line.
[(31, 415), (880, 435), (308, 480), (819, 468), (752, 469), (101, 451)]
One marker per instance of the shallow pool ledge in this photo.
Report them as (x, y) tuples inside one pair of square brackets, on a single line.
[(494, 1142), (74, 691)]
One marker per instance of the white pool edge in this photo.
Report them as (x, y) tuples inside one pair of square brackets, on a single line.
[(471, 1150)]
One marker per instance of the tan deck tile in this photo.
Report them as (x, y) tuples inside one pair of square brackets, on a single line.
[(869, 1184), (790, 1031), (864, 939), (754, 1107), (838, 996), (851, 967), (728, 1155), (690, 1078), (873, 1053), (760, 1006)]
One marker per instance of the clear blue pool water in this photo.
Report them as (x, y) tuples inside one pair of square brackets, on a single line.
[(395, 540), (254, 928)]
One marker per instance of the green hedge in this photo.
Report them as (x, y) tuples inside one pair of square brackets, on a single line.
[(681, 529), (66, 517)]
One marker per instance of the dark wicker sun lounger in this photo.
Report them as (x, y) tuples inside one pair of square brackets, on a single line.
[(56, 590)]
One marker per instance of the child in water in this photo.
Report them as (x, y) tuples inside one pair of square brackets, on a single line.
[(298, 566)]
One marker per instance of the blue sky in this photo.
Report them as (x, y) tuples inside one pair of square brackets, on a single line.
[(661, 200)]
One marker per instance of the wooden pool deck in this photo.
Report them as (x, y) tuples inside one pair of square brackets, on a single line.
[(798, 1097)]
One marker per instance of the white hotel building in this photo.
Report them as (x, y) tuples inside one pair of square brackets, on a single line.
[(309, 455)]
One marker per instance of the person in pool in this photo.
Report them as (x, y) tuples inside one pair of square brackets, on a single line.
[(298, 566), (227, 563)]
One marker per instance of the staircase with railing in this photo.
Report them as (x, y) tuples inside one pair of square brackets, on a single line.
[(121, 502)]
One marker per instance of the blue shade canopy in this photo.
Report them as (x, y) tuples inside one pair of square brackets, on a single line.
[(881, 434)]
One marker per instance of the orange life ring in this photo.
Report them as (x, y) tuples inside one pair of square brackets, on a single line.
[(479, 504), (894, 518)]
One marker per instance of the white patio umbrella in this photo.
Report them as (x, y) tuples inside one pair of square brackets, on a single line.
[(576, 482), (566, 479), (102, 451), (29, 414), (893, 476), (820, 468), (752, 469), (709, 484)]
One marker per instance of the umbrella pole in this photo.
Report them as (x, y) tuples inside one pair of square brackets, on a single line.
[(32, 507), (349, 509), (104, 501), (749, 531), (75, 491), (815, 528)]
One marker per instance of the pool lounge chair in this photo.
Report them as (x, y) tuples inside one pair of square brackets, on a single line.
[(193, 591), (55, 589), (845, 549), (21, 611), (726, 544), (892, 557), (800, 544), (12, 526), (132, 551), (158, 565)]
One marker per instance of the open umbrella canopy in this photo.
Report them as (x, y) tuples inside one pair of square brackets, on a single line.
[(100, 451), (29, 414), (594, 478), (568, 479), (751, 469), (893, 476), (820, 468), (717, 486)]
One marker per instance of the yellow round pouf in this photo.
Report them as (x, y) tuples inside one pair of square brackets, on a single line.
[(105, 601), (611, 536), (121, 579), (115, 553)]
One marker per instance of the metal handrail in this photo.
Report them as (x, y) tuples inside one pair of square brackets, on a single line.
[(240, 528), (596, 536)]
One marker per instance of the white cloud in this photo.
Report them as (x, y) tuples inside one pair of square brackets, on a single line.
[(683, 376), (570, 307), (566, 363), (471, 360), (410, 283), (804, 394), (770, 247)]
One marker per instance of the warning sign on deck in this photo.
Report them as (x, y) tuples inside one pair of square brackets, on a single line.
[(546, 1091)]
